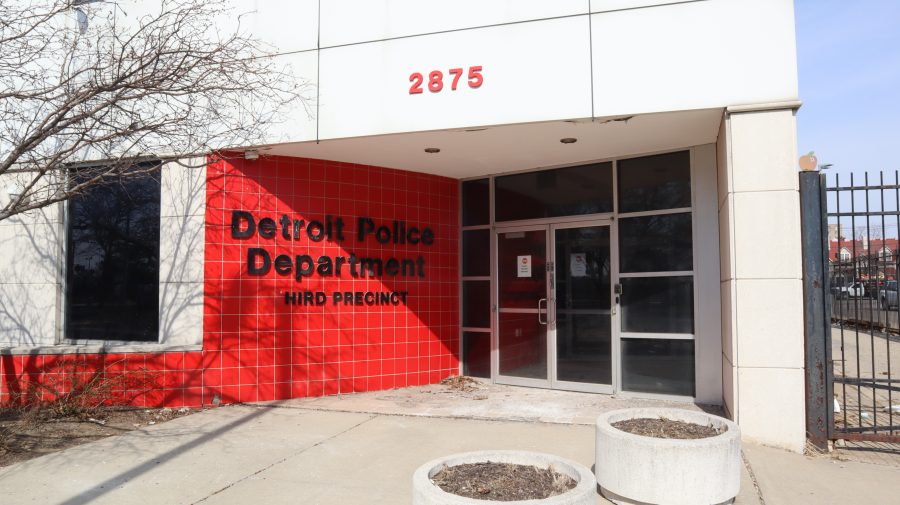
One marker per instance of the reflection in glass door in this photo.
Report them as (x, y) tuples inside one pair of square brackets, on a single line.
[(582, 313), (522, 305)]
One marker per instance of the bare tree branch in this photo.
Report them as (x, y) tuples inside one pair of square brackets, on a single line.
[(165, 81)]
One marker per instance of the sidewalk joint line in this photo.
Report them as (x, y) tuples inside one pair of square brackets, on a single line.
[(282, 460), (762, 500)]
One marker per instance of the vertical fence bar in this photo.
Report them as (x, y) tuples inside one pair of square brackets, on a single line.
[(814, 223), (867, 290), (837, 193), (887, 340), (855, 295), (827, 310)]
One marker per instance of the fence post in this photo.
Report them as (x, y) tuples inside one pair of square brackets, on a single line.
[(816, 310)]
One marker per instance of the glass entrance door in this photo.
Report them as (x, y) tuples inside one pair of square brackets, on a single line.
[(554, 306), (522, 298), (582, 308)]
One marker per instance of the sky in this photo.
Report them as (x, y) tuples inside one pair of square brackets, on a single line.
[(848, 56)]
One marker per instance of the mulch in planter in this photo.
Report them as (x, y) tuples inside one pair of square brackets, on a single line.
[(502, 481), (667, 428)]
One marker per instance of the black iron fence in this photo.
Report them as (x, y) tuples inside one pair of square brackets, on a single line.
[(863, 334)]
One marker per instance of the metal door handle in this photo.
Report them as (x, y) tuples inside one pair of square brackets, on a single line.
[(544, 301)]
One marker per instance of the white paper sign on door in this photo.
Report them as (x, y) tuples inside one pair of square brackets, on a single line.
[(524, 265), (578, 265)]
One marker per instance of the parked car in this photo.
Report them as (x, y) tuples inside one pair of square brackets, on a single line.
[(854, 290), (888, 295)]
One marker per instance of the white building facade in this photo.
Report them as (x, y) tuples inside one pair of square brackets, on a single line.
[(637, 154)]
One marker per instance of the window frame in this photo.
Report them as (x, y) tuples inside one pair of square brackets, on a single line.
[(614, 215), (88, 344)]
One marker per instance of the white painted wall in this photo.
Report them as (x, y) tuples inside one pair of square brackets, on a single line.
[(694, 55), (181, 252), (532, 72), (542, 61), (354, 21), (30, 248), (708, 341), (762, 296)]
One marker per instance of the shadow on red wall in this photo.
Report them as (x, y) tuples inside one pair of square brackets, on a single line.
[(258, 347)]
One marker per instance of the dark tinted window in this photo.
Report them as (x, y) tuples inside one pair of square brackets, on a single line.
[(655, 182), (476, 253), (112, 269), (476, 202), (658, 304), (476, 311), (571, 191), (477, 354), (658, 366), (659, 243)]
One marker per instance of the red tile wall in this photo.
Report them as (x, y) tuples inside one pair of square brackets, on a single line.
[(172, 379), (257, 348), (264, 349)]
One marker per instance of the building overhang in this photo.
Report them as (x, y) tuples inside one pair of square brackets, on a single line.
[(473, 152)]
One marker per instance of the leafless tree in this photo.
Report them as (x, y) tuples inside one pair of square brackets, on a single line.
[(100, 85)]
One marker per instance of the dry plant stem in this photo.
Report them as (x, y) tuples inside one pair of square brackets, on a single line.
[(73, 387), (502, 481), (460, 383), (666, 428)]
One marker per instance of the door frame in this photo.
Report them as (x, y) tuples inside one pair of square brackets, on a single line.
[(549, 227), (495, 307), (615, 328)]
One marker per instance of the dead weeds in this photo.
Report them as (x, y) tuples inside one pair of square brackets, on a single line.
[(461, 383), (502, 481), (30, 432), (667, 428)]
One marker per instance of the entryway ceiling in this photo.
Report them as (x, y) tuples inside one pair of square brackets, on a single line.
[(499, 149)]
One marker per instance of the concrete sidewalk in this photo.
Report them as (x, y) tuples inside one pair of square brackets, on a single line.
[(290, 453)]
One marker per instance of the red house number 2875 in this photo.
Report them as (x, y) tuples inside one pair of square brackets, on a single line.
[(436, 80)]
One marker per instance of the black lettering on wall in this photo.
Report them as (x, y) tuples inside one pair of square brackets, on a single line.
[(267, 227), (371, 267), (325, 266), (364, 226), (283, 264), (236, 217), (427, 236), (304, 266), (383, 235), (254, 254), (315, 231)]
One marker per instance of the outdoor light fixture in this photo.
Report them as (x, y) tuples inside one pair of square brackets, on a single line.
[(568, 140), (432, 150), (251, 155)]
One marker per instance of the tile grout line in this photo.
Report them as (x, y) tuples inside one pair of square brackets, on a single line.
[(282, 460)]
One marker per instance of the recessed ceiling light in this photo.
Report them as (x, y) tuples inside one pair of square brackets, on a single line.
[(432, 150), (568, 140)]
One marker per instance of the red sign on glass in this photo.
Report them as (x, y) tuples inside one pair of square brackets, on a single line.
[(436, 80)]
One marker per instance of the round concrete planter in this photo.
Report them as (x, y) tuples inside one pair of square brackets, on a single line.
[(634, 469), (426, 493)]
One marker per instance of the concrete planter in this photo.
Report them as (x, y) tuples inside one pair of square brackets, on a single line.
[(426, 493), (634, 469)]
